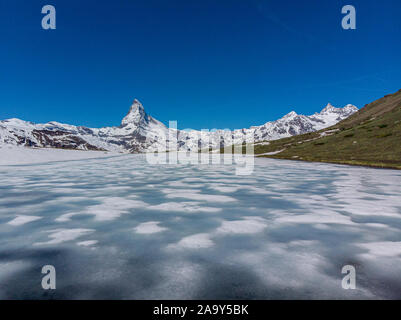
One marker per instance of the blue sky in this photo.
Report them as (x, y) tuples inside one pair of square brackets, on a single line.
[(207, 64)]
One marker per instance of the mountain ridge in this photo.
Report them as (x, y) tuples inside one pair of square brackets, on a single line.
[(140, 132), (369, 137)]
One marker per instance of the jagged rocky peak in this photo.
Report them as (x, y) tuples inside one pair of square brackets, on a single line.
[(292, 114), (328, 108), (349, 108), (135, 115)]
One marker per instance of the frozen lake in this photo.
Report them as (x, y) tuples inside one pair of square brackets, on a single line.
[(120, 228)]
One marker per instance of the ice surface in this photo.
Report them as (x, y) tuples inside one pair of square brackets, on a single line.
[(249, 225), (201, 240), (16, 155), (121, 228)]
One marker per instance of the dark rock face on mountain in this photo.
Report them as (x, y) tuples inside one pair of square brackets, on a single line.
[(139, 132)]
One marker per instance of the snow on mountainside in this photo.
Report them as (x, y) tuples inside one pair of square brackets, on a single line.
[(139, 132)]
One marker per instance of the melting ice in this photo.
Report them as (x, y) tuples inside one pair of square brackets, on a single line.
[(120, 228)]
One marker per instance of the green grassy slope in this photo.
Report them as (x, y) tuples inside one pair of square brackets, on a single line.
[(370, 137)]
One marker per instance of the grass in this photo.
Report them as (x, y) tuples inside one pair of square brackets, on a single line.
[(370, 137)]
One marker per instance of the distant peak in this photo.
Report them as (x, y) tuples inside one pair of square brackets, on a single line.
[(136, 104), (291, 114), (16, 122), (328, 108), (349, 108), (135, 115)]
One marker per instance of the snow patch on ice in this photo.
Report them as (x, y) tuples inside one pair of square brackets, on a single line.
[(149, 228), (62, 235), (21, 219), (196, 241), (382, 249), (249, 225), (87, 243)]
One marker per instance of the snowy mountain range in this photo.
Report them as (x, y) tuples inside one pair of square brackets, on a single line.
[(139, 132)]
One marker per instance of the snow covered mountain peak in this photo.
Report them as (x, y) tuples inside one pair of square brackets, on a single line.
[(350, 108), (329, 108), (347, 110), (292, 114), (136, 114), (139, 132)]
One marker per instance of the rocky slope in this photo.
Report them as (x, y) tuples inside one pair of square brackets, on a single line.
[(139, 132)]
